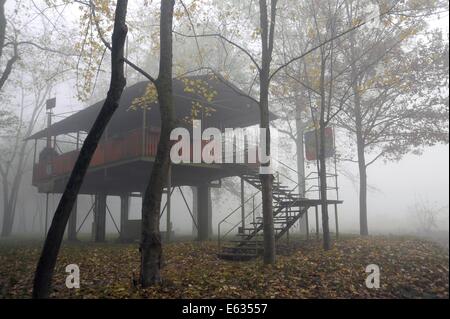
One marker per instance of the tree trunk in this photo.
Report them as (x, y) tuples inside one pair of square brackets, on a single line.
[(267, 39), (322, 161), (299, 127), (151, 248), (7, 220), (323, 191), (6, 229), (9, 206), (267, 179), (360, 140), (9, 64), (11, 195), (360, 144), (47, 260), (364, 228), (2, 26)]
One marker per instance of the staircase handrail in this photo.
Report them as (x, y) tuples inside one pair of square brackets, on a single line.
[(234, 227)]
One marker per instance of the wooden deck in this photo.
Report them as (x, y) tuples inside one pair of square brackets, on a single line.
[(124, 162)]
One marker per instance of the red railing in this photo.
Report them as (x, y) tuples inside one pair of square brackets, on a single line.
[(130, 145), (114, 149)]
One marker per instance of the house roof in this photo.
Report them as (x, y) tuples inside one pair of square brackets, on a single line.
[(229, 107)]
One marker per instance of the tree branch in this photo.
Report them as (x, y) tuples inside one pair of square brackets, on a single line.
[(218, 35), (357, 26), (108, 45)]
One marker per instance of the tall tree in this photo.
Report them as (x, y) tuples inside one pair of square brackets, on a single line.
[(14, 158), (317, 81), (399, 98), (267, 24), (262, 61), (150, 247), (44, 67), (266, 28), (47, 260)]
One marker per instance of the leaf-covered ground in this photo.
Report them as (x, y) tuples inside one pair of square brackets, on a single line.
[(410, 268)]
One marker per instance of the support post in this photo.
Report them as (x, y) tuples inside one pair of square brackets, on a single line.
[(242, 204), (46, 214), (34, 151), (144, 131), (210, 229), (287, 219), (78, 140), (72, 226), (204, 223), (317, 222), (336, 220), (168, 220), (307, 224), (194, 211), (49, 124), (100, 218), (124, 213)]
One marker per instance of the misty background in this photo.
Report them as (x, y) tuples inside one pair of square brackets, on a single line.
[(396, 192)]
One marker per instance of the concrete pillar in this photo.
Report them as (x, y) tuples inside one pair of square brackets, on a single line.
[(72, 226), (100, 218), (124, 213), (204, 212)]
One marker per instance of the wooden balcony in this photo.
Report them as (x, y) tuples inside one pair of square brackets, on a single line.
[(131, 145), (113, 151)]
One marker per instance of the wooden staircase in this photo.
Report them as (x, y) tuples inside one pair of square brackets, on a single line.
[(288, 208)]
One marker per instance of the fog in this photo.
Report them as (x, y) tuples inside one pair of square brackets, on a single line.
[(395, 187)]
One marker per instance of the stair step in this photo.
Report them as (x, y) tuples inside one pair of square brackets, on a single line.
[(275, 222), (275, 218), (240, 248), (286, 208), (245, 241), (236, 257), (246, 235)]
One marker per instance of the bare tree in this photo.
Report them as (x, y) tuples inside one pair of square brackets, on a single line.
[(390, 90), (318, 84), (16, 42), (14, 160), (47, 260), (267, 28), (426, 216), (398, 104)]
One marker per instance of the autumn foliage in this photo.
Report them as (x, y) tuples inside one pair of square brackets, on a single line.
[(410, 268)]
